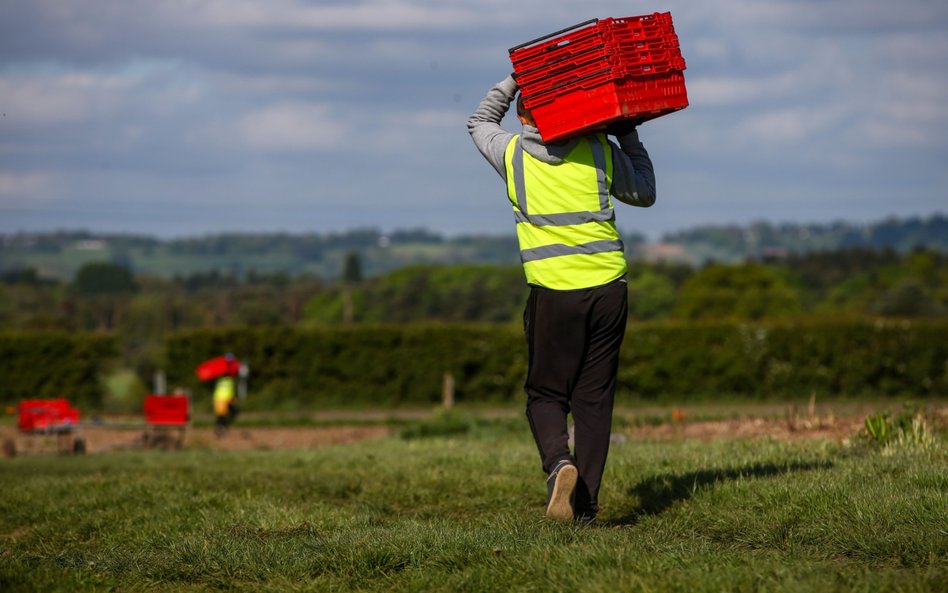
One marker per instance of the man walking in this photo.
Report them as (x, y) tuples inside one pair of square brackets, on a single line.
[(574, 262)]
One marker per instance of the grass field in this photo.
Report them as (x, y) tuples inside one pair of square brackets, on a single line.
[(465, 513)]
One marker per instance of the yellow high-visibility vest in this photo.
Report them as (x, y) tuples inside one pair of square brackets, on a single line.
[(224, 392), (565, 220)]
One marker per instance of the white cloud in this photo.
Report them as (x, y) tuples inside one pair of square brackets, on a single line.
[(727, 90), (378, 15), (193, 96), (23, 183), (63, 98), (291, 126), (786, 126), (415, 135), (434, 119), (44, 98), (822, 15), (25, 190), (886, 133), (254, 86), (917, 49), (906, 110)]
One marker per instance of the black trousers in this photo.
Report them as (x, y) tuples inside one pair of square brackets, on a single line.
[(573, 341)]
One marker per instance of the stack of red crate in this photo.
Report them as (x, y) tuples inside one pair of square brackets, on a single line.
[(167, 410), (215, 368), (601, 71), (46, 415)]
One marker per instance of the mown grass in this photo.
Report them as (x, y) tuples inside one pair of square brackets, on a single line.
[(464, 512)]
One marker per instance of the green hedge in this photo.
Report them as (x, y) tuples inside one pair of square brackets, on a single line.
[(48, 365), (392, 364), (405, 364), (842, 359)]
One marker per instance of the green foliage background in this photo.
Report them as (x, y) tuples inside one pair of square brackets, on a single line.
[(51, 365), (848, 322), (366, 364), (405, 364)]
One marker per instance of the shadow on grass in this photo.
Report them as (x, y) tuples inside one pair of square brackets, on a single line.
[(655, 494)]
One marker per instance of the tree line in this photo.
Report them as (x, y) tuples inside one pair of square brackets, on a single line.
[(105, 296), (59, 255)]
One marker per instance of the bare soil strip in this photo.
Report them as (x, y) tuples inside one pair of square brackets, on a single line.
[(836, 424), (103, 439)]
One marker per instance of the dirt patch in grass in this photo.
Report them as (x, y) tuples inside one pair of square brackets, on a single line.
[(819, 427), (835, 423), (286, 437), (101, 439), (792, 423)]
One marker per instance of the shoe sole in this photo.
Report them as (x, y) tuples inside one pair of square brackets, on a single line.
[(560, 507)]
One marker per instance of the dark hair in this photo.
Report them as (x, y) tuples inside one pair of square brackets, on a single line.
[(522, 109)]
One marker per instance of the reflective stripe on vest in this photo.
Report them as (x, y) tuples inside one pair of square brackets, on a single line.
[(589, 234), (558, 249)]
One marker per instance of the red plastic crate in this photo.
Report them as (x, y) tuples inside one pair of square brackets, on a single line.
[(556, 44), (46, 415), (582, 110), (623, 32), (647, 25), (651, 25), (616, 38), (564, 73), (167, 410), (614, 34), (592, 74), (596, 49), (569, 72), (217, 367)]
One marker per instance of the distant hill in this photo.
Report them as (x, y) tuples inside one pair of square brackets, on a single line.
[(765, 240), (59, 254)]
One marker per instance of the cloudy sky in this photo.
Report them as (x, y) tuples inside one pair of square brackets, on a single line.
[(183, 117)]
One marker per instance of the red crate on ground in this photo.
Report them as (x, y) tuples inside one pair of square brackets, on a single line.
[(585, 77), (167, 418), (218, 367), (167, 410), (46, 415)]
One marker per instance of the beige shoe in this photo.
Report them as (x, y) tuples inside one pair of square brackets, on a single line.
[(560, 486)]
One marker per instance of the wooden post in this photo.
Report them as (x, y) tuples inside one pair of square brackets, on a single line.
[(447, 390), (160, 384), (348, 310)]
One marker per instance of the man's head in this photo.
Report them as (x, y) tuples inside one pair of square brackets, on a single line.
[(523, 112)]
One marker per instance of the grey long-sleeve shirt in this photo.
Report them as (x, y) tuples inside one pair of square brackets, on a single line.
[(633, 179)]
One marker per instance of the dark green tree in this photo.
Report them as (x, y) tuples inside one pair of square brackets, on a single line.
[(101, 290), (104, 278), (351, 276), (908, 298), (651, 295), (747, 291), (352, 268)]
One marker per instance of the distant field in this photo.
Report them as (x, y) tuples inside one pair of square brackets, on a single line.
[(167, 262), (459, 507), (163, 262)]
